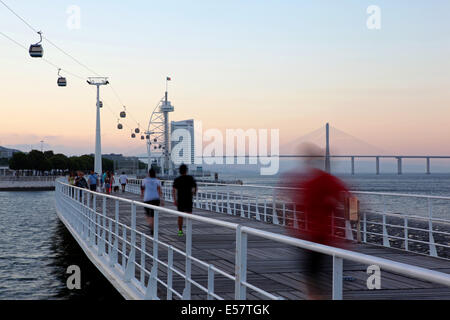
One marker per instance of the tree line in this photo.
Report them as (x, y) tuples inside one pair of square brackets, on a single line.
[(48, 161)]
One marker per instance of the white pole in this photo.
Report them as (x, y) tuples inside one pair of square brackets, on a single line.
[(98, 141)]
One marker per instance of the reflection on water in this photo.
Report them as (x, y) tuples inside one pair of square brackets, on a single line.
[(36, 249)]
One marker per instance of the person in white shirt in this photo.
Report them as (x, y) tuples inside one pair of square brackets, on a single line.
[(123, 179), (152, 194)]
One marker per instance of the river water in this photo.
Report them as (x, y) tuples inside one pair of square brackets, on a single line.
[(36, 249)]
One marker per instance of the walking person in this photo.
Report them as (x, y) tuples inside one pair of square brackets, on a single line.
[(103, 181), (81, 182), (123, 179), (152, 194), (321, 197), (108, 183), (184, 188), (92, 180)]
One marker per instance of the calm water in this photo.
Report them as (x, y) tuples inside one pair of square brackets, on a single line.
[(36, 249)]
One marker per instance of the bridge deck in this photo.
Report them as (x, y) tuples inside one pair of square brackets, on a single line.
[(272, 266)]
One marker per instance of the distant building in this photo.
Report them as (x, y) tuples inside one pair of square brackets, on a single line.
[(189, 126), (121, 163), (7, 153)]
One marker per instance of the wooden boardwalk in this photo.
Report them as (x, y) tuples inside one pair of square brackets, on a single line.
[(272, 266)]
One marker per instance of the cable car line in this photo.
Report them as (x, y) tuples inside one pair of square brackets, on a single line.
[(43, 59), (36, 51)]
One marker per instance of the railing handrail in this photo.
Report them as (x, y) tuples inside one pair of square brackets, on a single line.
[(292, 188), (398, 267), (401, 268), (160, 209)]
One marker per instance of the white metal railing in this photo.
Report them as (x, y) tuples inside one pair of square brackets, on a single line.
[(121, 251), (382, 220)]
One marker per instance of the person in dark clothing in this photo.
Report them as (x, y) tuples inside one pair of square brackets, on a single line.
[(81, 182), (184, 188)]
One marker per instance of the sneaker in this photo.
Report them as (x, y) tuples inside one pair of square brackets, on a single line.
[(180, 233)]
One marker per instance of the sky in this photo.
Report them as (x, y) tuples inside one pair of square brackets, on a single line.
[(287, 65)]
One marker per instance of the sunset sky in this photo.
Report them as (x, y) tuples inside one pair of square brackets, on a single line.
[(289, 65)]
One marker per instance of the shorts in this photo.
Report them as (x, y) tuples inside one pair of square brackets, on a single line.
[(185, 207), (150, 212), (93, 187)]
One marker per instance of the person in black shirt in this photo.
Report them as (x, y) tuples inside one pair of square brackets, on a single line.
[(184, 187)]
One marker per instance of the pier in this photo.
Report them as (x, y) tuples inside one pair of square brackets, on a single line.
[(237, 247), (32, 183)]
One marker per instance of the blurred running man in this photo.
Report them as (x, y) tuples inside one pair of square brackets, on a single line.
[(184, 187), (318, 197), (152, 194)]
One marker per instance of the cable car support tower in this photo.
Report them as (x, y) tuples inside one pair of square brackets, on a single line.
[(158, 133), (98, 81)]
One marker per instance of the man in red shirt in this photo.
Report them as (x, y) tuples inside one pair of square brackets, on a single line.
[(319, 197)]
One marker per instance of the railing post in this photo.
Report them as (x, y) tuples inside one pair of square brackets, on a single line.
[(114, 255), (406, 232), (365, 227), (337, 278), (217, 200), (257, 217), (242, 203), (143, 250), (169, 272), (92, 220), (265, 210), (124, 246), (385, 233), (433, 251), (274, 209), (241, 264), (210, 282), (228, 201), (102, 231), (187, 288), (130, 270)]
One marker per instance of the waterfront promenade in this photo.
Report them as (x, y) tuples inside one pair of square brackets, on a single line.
[(271, 266), (32, 183)]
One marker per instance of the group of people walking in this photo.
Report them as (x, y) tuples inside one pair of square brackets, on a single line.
[(184, 188), (105, 183)]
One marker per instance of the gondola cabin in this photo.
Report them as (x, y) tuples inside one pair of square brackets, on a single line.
[(36, 51), (62, 82)]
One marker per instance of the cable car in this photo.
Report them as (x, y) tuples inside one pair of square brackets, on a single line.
[(119, 126), (36, 50), (62, 82), (123, 114), (137, 130), (133, 135)]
